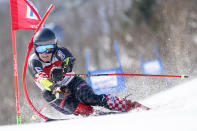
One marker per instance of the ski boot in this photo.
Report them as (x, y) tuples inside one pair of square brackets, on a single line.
[(84, 110), (123, 105), (116, 104)]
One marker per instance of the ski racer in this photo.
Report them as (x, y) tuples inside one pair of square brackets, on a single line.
[(67, 94)]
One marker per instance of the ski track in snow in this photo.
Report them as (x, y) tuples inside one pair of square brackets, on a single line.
[(172, 110)]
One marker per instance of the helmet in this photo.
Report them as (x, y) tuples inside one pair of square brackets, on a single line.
[(44, 37), (45, 41)]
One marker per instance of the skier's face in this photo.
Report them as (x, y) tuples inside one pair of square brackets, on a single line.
[(46, 57)]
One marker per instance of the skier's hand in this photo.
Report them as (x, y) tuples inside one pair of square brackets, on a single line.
[(67, 64), (56, 74), (58, 93)]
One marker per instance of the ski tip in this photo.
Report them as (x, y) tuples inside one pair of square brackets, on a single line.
[(49, 120)]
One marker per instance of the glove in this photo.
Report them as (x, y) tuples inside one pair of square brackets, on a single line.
[(59, 94), (56, 74), (67, 64), (56, 90)]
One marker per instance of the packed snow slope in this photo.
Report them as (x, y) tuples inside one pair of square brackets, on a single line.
[(172, 110)]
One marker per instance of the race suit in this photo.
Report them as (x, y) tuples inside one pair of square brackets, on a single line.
[(79, 97), (78, 91)]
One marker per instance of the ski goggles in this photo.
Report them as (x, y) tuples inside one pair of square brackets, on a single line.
[(45, 48)]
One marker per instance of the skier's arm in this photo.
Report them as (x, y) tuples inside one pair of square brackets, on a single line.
[(35, 68), (44, 82), (67, 64), (67, 59)]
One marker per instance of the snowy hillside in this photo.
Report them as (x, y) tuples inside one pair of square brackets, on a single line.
[(172, 110)]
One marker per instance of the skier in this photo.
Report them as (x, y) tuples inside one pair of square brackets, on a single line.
[(67, 94)]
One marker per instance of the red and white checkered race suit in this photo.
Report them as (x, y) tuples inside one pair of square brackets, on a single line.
[(117, 104)]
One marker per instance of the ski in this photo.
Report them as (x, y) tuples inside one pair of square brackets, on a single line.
[(136, 106)]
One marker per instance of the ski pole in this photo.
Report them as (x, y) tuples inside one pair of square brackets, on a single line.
[(123, 74)]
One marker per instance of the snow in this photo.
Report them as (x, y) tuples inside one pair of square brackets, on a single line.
[(172, 110)]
